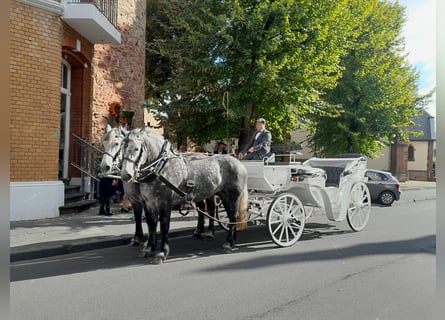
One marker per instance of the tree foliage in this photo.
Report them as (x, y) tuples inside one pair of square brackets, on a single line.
[(270, 58), (333, 67), (376, 98)]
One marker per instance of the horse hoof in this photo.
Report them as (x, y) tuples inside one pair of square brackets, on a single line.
[(134, 243), (197, 234), (145, 252), (209, 235), (227, 247), (166, 251), (159, 258)]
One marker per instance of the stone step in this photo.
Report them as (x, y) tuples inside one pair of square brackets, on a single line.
[(71, 189), (74, 197), (77, 206)]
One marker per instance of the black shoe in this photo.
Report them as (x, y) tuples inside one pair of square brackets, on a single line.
[(102, 212), (108, 214)]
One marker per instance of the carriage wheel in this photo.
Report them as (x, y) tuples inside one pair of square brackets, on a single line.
[(286, 219), (359, 206)]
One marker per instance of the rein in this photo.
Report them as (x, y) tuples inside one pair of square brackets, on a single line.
[(215, 219)]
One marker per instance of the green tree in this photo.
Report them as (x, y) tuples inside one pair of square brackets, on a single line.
[(376, 97), (267, 58)]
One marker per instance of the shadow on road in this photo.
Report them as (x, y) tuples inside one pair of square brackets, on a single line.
[(253, 239)]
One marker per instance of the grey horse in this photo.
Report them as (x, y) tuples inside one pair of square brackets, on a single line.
[(167, 180)]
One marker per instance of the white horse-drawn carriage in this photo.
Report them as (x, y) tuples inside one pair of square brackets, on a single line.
[(285, 194)]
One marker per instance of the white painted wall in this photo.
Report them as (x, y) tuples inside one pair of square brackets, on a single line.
[(382, 162), (35, 200), (420, 156)]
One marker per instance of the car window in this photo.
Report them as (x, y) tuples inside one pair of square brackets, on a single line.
[(382, 177), (375, 176)]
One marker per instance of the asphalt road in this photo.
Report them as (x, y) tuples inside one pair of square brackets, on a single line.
[(385, 272)]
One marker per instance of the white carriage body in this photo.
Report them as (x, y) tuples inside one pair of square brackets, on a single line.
[(341, 175), (324, 183)]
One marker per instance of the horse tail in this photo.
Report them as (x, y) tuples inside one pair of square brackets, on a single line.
[(242, 209)]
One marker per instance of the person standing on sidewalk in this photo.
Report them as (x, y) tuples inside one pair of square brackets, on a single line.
[(107, 189)]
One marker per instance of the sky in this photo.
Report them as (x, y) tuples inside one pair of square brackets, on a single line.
[(420, 40)]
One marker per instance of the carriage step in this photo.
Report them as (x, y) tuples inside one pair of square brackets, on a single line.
[(77, 206)]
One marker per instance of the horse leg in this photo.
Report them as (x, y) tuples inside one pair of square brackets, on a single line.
[(229, 202), (139, 233), (231, 234), (161, 256), (198, 232), (150, 245), (211, 210)]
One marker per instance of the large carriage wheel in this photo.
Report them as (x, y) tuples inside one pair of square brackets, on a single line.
[(286, 219), (359, 206)]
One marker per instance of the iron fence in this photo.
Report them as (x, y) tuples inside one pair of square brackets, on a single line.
[(86, 159)]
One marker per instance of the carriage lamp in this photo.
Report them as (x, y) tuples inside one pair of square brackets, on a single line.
[(296, 178)]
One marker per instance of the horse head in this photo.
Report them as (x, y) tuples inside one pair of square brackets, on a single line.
[(140, 149), (112, 142)]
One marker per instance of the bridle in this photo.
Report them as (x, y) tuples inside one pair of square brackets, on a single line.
[(153, 170), (114, 165)]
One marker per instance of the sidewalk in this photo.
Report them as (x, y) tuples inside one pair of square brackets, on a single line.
[(88, 231)]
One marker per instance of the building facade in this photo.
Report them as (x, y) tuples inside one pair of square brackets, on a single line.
[(68, 60)]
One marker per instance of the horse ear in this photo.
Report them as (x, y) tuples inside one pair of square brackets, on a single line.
[(108, 128), (123, 130)]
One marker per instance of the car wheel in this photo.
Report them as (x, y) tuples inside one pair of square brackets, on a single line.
[(386, 198)]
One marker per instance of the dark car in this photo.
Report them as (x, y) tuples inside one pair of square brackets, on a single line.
[(383, 186)]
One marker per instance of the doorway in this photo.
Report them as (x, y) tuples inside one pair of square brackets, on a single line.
[(65, 109)]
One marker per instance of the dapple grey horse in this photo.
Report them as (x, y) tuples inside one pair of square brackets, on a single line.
[(111, 165), (167, 179)]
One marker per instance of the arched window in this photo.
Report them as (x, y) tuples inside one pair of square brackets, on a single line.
[(411, 152)]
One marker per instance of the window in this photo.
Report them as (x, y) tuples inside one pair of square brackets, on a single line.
[(411, 151), (375, 176)]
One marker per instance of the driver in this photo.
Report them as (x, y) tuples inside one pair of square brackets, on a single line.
[(259, 144)]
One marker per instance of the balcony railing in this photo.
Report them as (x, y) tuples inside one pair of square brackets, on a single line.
[(108, 8)]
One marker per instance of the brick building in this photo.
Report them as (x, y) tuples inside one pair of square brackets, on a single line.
[(68, 60)]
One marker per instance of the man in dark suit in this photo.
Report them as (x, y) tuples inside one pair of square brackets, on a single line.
[(259, 144)]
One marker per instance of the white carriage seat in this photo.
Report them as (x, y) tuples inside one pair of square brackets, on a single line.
[(256, 176), (333, 168)]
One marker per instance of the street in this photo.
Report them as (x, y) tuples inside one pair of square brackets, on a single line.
[(385, 272)]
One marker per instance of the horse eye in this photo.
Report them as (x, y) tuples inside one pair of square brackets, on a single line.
[(116, 144)]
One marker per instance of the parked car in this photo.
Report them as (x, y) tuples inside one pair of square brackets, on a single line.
[(383, 186)]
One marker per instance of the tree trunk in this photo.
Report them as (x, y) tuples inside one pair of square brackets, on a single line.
[(247, 129)]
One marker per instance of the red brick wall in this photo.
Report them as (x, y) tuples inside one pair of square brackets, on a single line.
[(119, 70), (399, 161), (35, 92)]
